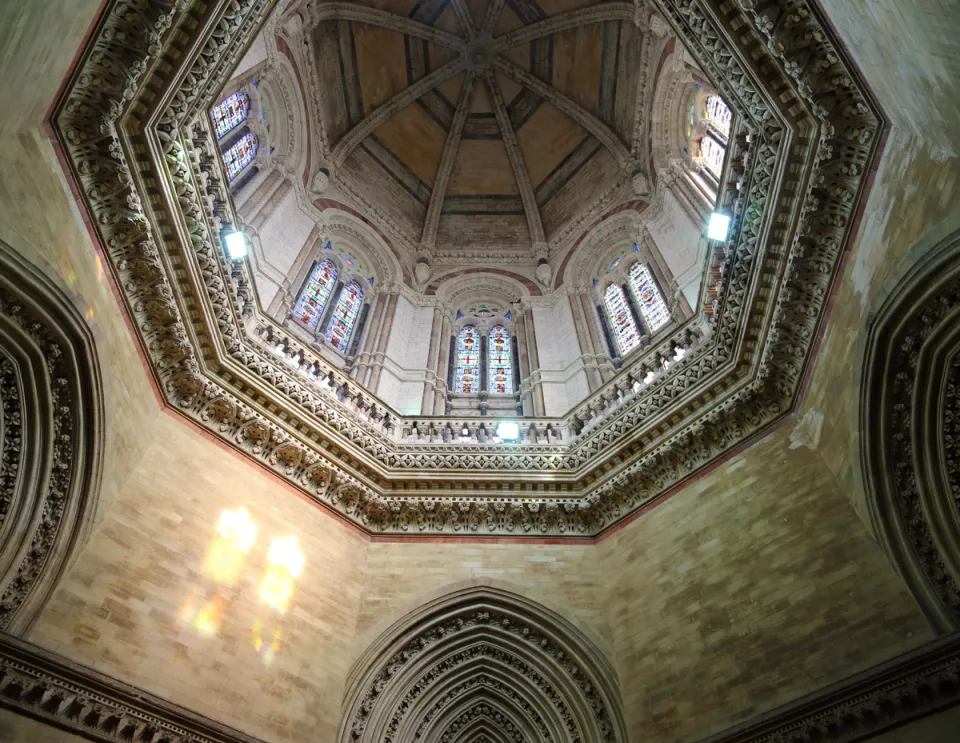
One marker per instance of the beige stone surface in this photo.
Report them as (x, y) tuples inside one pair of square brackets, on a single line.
[(940, 728), (750, 588), (119, 608), (17, 729)]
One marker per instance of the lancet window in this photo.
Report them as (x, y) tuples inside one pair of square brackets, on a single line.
[(622, 324), (499, 366), (313, 298), (467, 379), (229, 113), (345, 316), (650, 302), (711, 154), (719, 115), (240, 155)]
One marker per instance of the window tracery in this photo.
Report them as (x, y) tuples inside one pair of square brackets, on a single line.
[(500, 362), (229, 113), (345, 316), (240, 155), (653, 308), (313, 298), (467, 378), (621, 319), (719, 115), (711, 154)]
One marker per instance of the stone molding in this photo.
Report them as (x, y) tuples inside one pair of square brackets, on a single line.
[(908, 423), (819, 129), (47, 687), (51, 437), (487, 646)]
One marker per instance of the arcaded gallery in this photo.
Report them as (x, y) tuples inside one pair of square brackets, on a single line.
[(480, 371)]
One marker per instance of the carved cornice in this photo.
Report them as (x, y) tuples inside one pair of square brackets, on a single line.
[(694, 412)]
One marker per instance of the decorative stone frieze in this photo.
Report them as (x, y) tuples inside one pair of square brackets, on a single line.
[(805, 152)]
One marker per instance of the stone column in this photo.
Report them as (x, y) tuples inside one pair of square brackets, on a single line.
[(376, 364), (430, 378), (588, 353), (538, 405), (523, 361), (606, 372), (363, 358), (443, 361)]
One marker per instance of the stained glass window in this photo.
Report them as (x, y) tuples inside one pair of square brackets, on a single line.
[(229, 112), (240, 155), (650, 302), (500, 368), (621, 319), (712, 152), (467, 378), (718, 114), (315, 294), (345, 316)]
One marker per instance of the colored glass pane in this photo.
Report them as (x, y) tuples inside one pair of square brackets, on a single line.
[(650, 301), (240, 155), (315, 294), (230, 112), (622, 324), (712, 152), (345, 316), (467, 380), (719, 114), (500, 367)]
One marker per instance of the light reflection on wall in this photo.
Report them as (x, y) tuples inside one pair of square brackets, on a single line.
[(223, 567)]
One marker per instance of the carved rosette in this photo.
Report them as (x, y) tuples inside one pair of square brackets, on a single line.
[(786, 45)]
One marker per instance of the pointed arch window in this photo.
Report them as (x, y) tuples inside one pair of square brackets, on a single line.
[(313, 298), (345, 316), (653, 308), (499, 362), (240, 155), (229, 113), (719, 115), (621, 319), (467, 379)]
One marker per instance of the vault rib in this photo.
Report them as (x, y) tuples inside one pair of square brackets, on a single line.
[(564, 22), (492, 16), (520, 172), (464, 17), (378, 116), (442, 182), (336, 11), (584, 118)]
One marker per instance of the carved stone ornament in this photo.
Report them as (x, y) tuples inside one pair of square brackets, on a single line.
[(422, 272), (910, 429), (482, 656), (801, 177), (544, 272), (321, 182), (641, 184), (51, 437), (59, 692)]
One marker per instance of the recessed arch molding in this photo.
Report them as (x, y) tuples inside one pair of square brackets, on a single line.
[(51, 437), (909, 419), (482, 661)]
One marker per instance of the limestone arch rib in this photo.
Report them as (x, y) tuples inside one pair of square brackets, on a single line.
[(575, 111), (445, 170), (378, 116), (521, 174), (564, 22), (336, 11)]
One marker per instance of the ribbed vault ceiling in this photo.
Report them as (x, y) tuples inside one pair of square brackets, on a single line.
[(448, 114)]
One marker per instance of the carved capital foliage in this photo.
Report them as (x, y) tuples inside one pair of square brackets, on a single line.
[(51, 437), (910, 448), (482, 653), (809, 151)]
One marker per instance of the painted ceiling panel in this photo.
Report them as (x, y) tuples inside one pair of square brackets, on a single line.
[(416, 139), (578, 60), (546, 139), (381, 64), (482, 168)]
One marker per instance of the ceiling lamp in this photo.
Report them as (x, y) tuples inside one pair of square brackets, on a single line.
[(236, 244), (719, 226)]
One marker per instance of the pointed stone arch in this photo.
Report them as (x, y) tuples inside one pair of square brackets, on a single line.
[(909, 424), (51, 438), (482, 663)]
